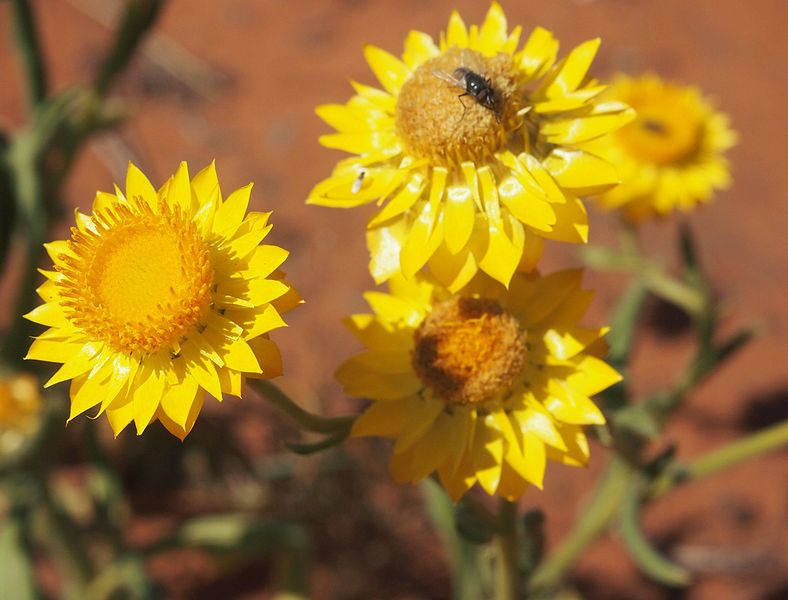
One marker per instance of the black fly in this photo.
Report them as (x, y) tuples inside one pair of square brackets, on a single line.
[(476, 86)]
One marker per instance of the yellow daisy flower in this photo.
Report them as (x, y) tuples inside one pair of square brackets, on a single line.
[(480, 387), (159, 297), (20, 409), (671, 156), (474, 149)]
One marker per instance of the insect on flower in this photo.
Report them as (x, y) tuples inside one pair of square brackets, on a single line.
[(358, 182), (474, 85)]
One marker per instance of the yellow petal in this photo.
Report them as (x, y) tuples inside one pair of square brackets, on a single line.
[(206, 182), (456, 32), (402, 201), (268, 357), (419, 48), (381, 418), (137, 186), (420, 415), (177, 400), (487, 454), (359, 382), (539, 53), (459, 214), (231, 212), (82, 360), (179, 192), (569, 405), (120, 414), (529, 207), (571, 72), (390, 71), (385, 245), (146, 397), (582, 172), (492, 35)]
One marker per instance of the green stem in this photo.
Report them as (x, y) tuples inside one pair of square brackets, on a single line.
[(139, 17), (304, 418), (767, 440), (76, 567), (27, 39), (595, 519), (508, 582)]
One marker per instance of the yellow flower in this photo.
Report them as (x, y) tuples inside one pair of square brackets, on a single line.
[(671, 156), (471, 180), (480, 387), (20, 408), (159, 297)]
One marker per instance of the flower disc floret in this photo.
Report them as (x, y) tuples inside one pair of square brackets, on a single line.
[(672, 156), (468, 350), (471, 175), (160, 297), (480, 388)]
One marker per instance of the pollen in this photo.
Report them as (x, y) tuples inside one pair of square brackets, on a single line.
[(139, 280), (469, 350), (439, 121)]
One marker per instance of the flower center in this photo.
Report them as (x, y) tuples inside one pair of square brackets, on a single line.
[(142, 281), (469, 350), (458, 107), (666, 131)]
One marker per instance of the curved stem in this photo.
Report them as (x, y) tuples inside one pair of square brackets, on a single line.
[(766, 440), (304, 418), (595, 519), (30, 50), (507, 584)]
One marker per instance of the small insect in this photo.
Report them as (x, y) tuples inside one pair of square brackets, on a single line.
[(476, 86), (356, 188)]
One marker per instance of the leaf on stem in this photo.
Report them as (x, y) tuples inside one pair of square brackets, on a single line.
[(653, 563)]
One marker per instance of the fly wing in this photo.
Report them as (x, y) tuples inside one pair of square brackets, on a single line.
[(449, 78)]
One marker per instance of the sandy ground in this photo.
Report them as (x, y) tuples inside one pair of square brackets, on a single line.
[(258, 69)]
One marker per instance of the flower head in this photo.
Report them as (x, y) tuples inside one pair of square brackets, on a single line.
[(20, 410), (159, 297), (481, 387), (474, 149), (672, 156)]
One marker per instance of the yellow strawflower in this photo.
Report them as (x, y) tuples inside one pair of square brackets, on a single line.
[(480, 387), (20, 409), (160, 297), (672, 156), (474, 148)]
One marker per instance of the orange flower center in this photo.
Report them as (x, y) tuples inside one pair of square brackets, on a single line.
[(469, 350), (139, 280), (458, 107), (667, 128)]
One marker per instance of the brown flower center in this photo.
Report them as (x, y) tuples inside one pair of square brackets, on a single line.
[(458, 107), (469, 350)]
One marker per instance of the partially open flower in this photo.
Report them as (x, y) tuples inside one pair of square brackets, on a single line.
[(20, 410), (475, 149), (672, 156), (480, 387), (159, 297)]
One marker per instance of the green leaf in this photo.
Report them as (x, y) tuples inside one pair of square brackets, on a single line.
[(533, 540), (471, 567), (16, 570), (653, 563), (638, 420), (624, 323), (470, 526), (689, 253), (327, 442)]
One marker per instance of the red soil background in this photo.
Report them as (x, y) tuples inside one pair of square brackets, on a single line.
[(260, 68)]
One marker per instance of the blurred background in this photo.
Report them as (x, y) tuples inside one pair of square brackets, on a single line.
[(238, 81)]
